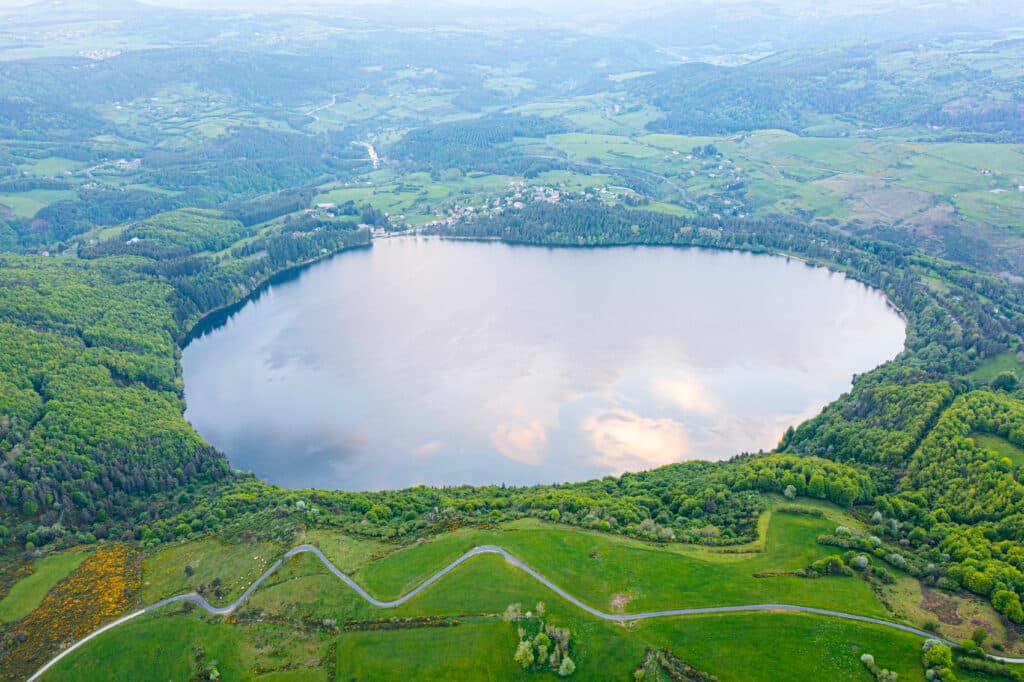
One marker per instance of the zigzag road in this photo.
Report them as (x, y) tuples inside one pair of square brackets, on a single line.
[(476, 551)]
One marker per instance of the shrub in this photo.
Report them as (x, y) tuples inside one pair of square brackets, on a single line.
[(1005, 381), (524, 655), (938, 656)]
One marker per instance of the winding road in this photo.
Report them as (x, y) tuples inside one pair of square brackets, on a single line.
[(477, 551)]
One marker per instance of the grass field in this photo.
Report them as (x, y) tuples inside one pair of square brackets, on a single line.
[(734, 647), (280, 633), (994, 366), (1000, 447), (155, 648), (183, 568), (599, 567), (607, 572), (780, 647), (476, 651), (27, 204), (27, 593), (828, 177), (50, 166)]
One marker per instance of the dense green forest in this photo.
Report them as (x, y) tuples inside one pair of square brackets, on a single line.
[(481, 144), (854, 86)]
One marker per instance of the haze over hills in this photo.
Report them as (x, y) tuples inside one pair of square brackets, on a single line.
[(691, 30)]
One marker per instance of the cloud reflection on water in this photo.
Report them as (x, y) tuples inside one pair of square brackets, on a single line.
[(525, 443), (626, 441), (443, 363)]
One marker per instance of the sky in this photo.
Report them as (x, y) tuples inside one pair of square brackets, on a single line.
[(244, 5)]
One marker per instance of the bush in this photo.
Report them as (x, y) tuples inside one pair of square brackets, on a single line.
[(897, 560), (938, 656), (988, 668), (1005, 381), (524, 655), (830, 565)]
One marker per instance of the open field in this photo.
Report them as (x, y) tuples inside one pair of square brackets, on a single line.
[(27, 204), (811, 647), (612, 573), (996, 365), (1000, 447), (26, 594), (476, 651), (599, 567), (814, 648), (167, 645)]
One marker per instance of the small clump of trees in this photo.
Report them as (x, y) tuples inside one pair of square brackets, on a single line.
[(938, 661), (542, 646)]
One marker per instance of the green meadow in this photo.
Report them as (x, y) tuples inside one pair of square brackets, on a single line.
[(280, 634)]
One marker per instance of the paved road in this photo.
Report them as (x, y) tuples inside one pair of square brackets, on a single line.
[(476, 551)]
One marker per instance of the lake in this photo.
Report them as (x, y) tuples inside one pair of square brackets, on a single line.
[(428, 361)]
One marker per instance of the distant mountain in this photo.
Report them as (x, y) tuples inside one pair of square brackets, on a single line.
[(760, 27)]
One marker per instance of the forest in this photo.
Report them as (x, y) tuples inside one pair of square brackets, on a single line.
[(850, 85)]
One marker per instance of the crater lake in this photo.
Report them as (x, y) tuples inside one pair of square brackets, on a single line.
[(440, 362)]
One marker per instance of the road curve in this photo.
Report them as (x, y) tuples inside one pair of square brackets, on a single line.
[(476, 551)]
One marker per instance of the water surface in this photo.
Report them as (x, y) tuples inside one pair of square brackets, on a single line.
[(442, 362)]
